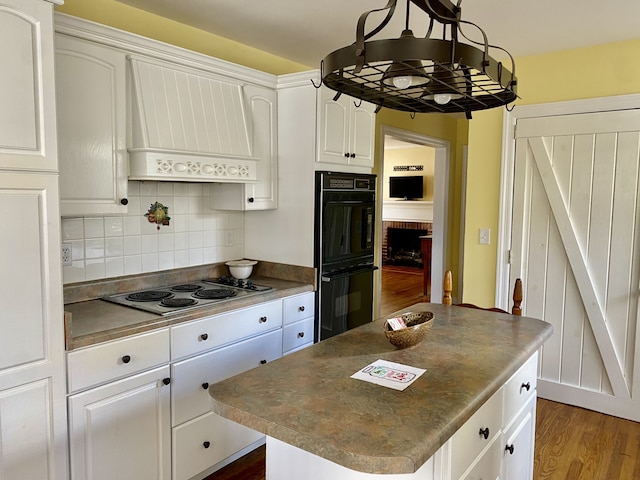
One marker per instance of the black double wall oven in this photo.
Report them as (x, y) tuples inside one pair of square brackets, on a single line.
[(344, 251)]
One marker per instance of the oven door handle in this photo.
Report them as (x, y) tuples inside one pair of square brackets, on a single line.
[(334, 276)]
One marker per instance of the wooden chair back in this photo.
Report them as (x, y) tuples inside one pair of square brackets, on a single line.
[(517, 296)]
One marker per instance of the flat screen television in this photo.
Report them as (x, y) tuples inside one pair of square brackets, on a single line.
[(407, 187)]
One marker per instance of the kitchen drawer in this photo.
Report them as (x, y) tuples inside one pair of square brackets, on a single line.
[(191, 377), (297, 335), (298, 307), (120, 358), (487, 467), (468, 441), (211, 332), (206, 441), (520, 388)]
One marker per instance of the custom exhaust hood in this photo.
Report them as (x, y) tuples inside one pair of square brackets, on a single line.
[(188, 125)]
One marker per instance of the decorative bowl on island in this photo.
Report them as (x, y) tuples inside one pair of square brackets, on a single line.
[(240, 269), (417, 324)]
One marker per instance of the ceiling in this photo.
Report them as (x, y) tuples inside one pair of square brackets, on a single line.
[(305, 31)]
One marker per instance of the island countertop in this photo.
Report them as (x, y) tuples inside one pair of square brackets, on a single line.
[(308, 400)]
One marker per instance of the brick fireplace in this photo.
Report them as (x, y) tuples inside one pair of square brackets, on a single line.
[(401, 244)]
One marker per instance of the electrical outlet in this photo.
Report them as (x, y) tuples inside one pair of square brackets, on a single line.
[(65, 253), (228, 238)]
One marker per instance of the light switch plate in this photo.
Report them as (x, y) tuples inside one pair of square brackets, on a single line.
[(485, 236)]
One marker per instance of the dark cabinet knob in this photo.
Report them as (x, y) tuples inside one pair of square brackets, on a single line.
[(126, 359), (124, 201), (204, 336), (262, 362), (509, 448), (526, 386), (166, 381), (205, 385), (301, 308), (206, 444), (263, 319), (300, 334), (353, 155), (484, 432), (346, 155), (250, 200)]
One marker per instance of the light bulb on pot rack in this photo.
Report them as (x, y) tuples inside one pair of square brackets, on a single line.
[(421, 75)]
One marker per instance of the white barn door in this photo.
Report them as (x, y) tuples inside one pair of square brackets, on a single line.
[(575, 242)]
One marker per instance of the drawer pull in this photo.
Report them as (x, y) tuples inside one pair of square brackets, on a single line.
[(509, 448), (301, 308), (126, 359), (205, 385), (263, 319), (484, 432), (526, 386), (262, 362), (166, 381), (300, 334), (206, 444), (204, 336)]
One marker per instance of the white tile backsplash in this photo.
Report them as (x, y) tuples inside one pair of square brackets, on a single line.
[(106, 247)]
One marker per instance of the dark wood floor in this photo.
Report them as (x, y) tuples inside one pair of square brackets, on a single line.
[(571, 443)]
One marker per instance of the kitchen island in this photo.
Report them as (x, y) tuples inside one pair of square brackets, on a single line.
[(320, 420)]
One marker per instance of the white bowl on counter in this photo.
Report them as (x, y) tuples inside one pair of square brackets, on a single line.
[(240, 269)]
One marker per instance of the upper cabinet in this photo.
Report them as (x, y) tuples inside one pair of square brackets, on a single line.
[(346, 130), (27, 115), (92, 127), (263, 194)]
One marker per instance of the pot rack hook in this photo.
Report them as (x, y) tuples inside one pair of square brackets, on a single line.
[(510, 109), (357, 105), (412, 115), (321, 74)]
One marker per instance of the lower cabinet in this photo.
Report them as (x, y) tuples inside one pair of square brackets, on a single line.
[(518, 443), (122, 429), (139, 406)]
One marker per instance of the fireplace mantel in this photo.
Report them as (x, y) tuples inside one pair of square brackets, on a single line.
[(407, 211)]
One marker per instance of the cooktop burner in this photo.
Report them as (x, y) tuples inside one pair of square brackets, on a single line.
[(178, 298), (215, 293)]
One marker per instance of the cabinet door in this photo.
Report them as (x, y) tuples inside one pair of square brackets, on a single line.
[(32, 387), (518, 446), (333, 127), (263, 194), (91, 103), (27, 95), (122, 430), (362, 134)]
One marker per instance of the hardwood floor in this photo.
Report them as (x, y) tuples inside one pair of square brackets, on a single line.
[(571, 443), (574, 443)]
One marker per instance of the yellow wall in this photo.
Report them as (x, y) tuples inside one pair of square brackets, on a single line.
[(134, 20), (600, 71), (414, 156)]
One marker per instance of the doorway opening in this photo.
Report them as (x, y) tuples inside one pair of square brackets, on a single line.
[(413, 228)]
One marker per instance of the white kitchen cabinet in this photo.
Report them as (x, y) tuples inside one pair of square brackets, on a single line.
[(92, 127), (518, 445), (27, 88), (263, 194), (298, 322), (32, 386), (346, 130), (122, 429), (208, 351)]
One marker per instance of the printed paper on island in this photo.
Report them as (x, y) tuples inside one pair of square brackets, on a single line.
[(389, 374)]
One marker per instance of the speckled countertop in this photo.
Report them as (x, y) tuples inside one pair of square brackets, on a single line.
[(307, 399), (89, 320)]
